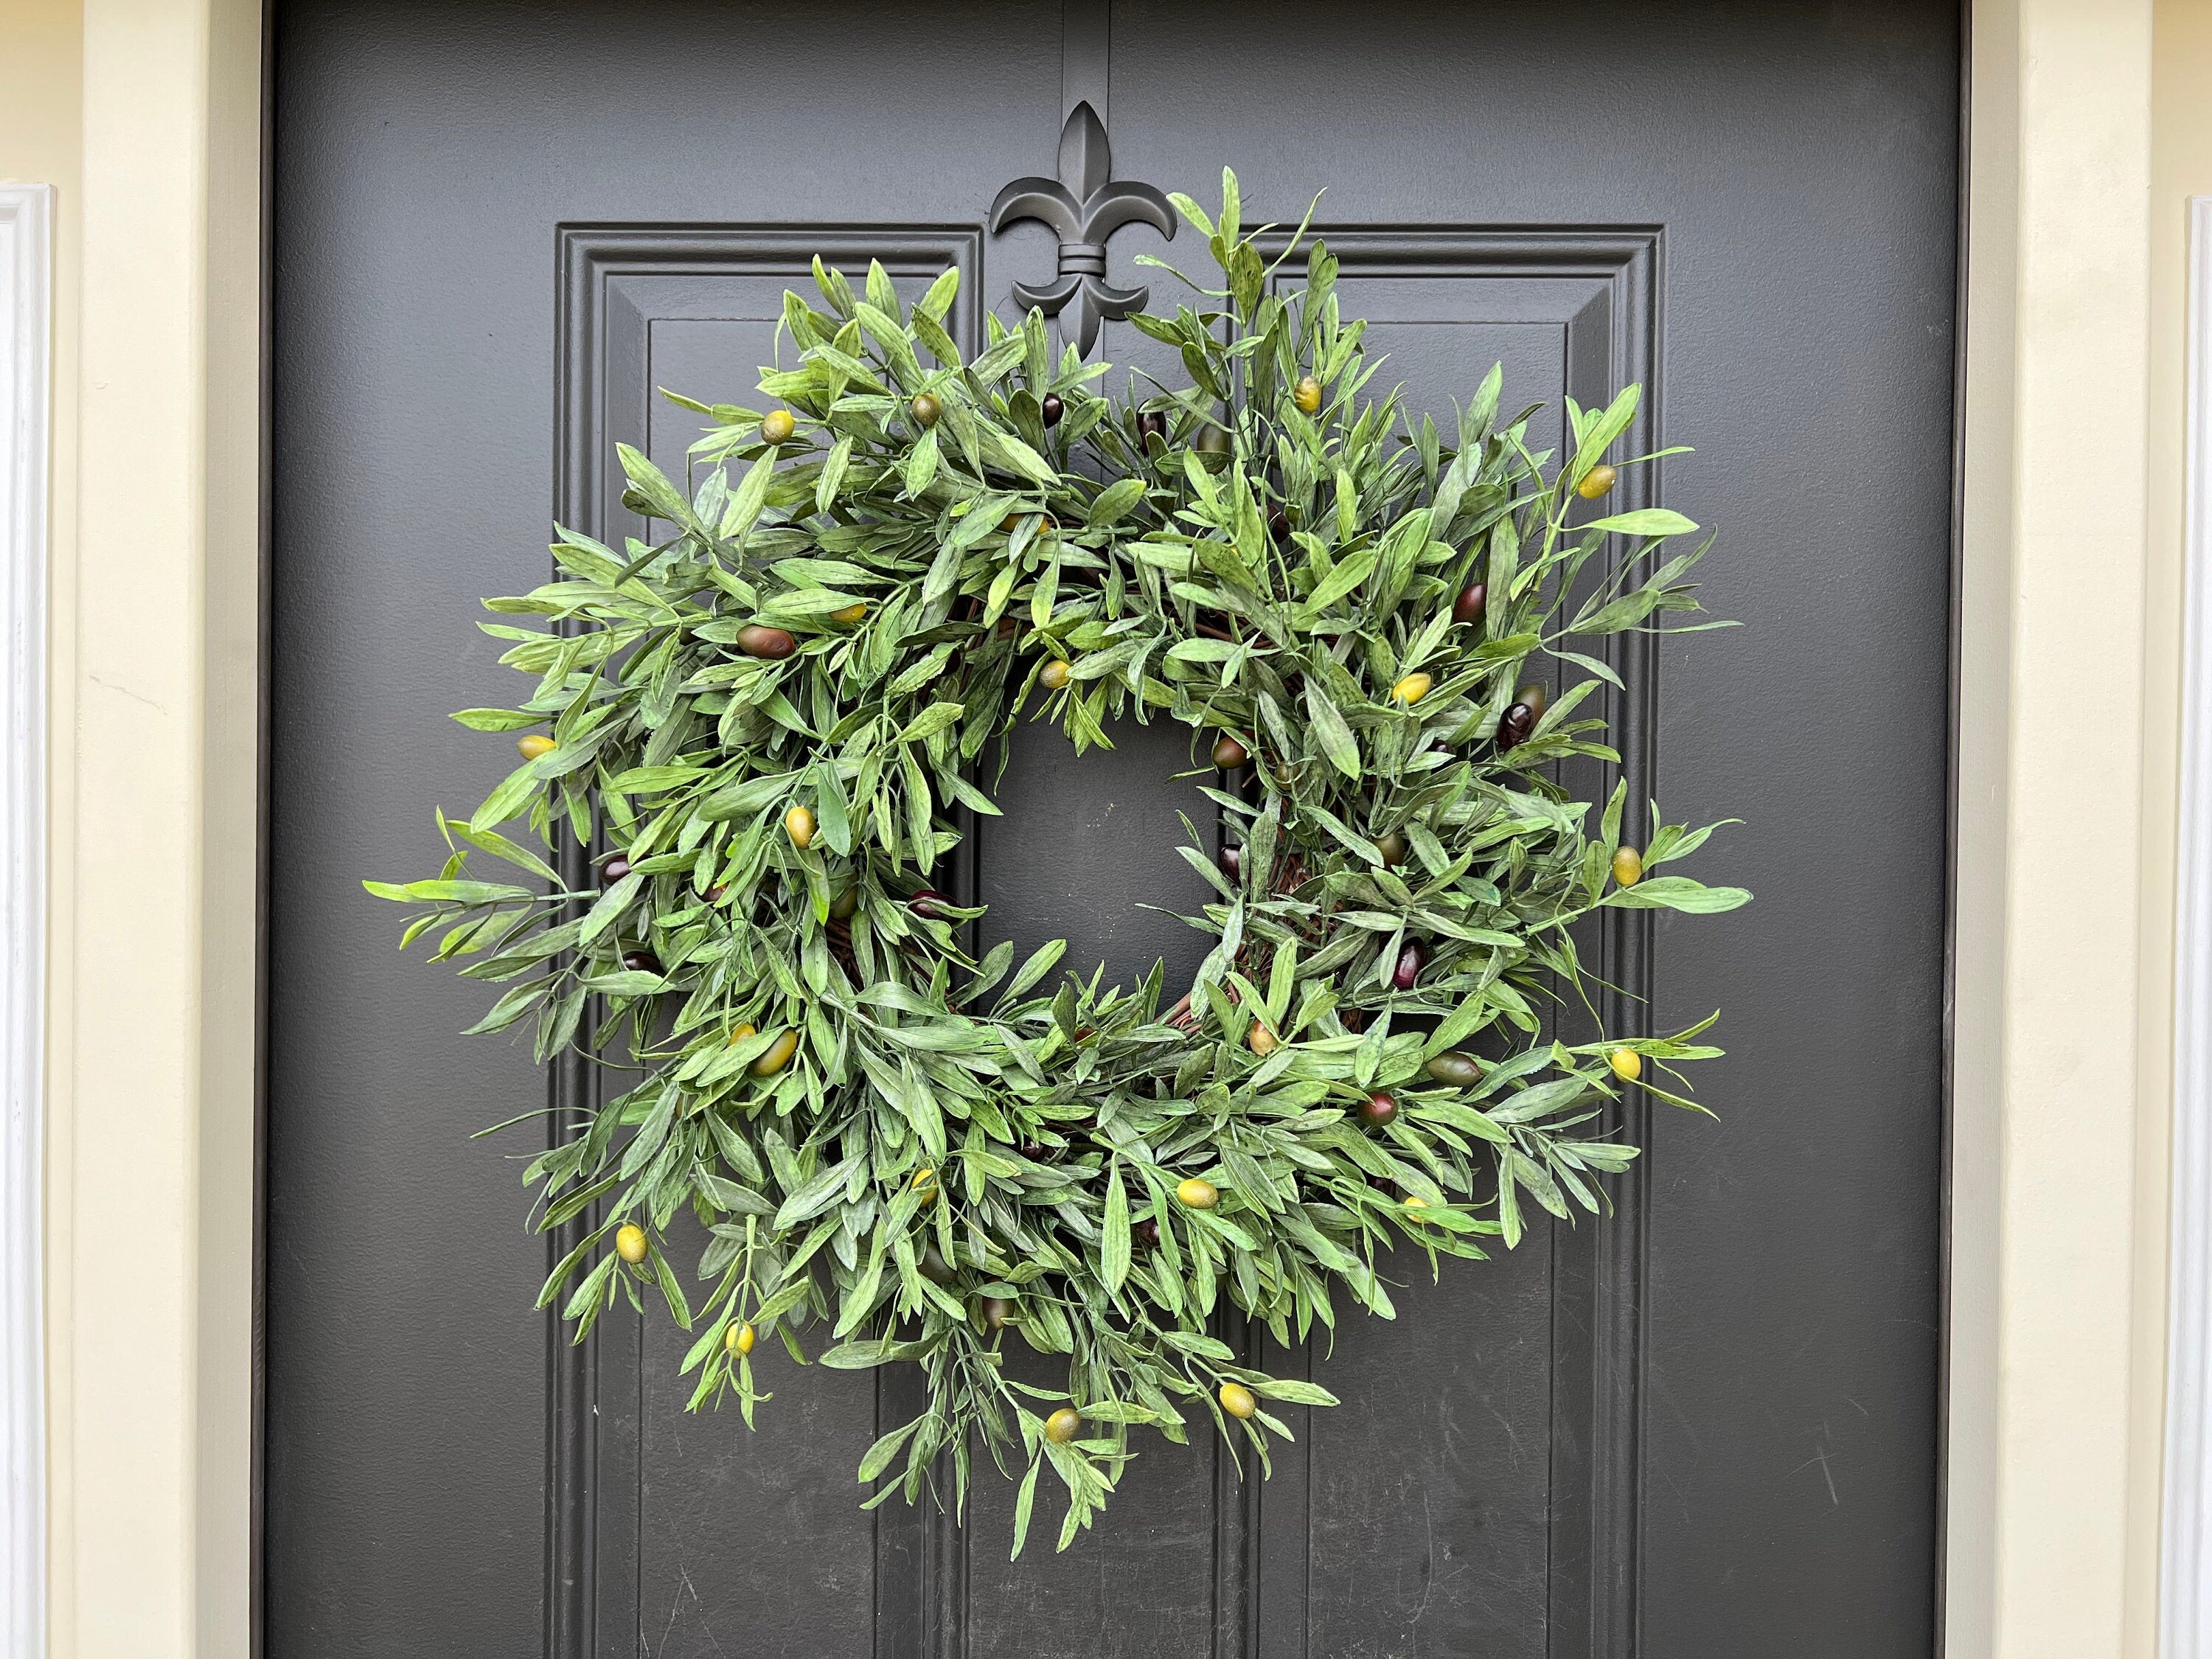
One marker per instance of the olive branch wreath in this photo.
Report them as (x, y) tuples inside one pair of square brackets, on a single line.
[(768, 721)]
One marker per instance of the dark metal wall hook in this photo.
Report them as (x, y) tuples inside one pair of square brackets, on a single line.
[(1085, 206)]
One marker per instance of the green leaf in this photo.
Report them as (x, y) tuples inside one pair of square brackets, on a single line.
[(1676, 893), (1113, 1248), (1644, 521), (1329, 727)]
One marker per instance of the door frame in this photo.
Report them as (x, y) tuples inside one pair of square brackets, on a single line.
[(2055, 1336)]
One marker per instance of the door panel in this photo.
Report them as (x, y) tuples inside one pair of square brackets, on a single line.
[(1705, 1424)]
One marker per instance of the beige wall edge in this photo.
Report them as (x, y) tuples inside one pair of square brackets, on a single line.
[(2060, 1094)]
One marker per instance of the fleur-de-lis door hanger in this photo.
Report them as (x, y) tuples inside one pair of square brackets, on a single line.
[(1084, 207)]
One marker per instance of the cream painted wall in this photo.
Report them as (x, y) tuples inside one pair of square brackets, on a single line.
[(41, 141), (2091, 120)]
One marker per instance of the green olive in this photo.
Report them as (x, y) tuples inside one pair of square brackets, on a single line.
[(926, 408), (842, 907), (1392, 847), (1063, 1425), (1460, 1069), (1627, 866), (996, 1311), (777, 1055), (934, 1267), (1596, 482)]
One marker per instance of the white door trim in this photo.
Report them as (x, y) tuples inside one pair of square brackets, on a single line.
[(25, 324), (2185, 1582)]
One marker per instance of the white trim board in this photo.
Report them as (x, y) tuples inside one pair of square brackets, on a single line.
[(26, 322), (2186, 1581)]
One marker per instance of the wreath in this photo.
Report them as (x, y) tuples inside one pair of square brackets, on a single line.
[(769, 723)]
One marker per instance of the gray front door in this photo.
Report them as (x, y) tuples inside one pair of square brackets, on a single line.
[(1704, 1427)]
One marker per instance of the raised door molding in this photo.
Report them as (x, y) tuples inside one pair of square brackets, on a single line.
[(26, 257)]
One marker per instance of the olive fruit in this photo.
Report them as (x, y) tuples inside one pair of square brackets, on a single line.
[(1196, 1195), (1262, 1041), (535, 745), (798, 823), (740, 1339), (1051, 409), (1212, 440), (925, 1180), (1469, 606), (1229, 754), (842, 907), (1232, 860), (1533, 696), (849, 615), (776, 425), (630, 1245), (1411, 689), (1063, 1425), (1239, 1401), (614, 869), (740, 1033), (1278, 527), (642, 961), (1627, 866), (1306, 394), (1411, 961), (996, 1311), (1515, 725), (1035, 1151), (1053, 674), (1392, 847), (1151, 424), (934, 1267), (755, 641), (1378, 1110), (929, 902), (777, 1057), (1596, 482), (1147, 1233), (1627, 1065), (1456, 1067), (927, 410)]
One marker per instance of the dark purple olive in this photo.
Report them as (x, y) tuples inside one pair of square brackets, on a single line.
[(1232, 860), (1392, 848), (1411, 960), (935, 1268), (1468, 606), (1378, 1110), (997, 1310), (1515, 725), (1147, 1233), (755, 641), (1278, 526), (1150, 425), (1052, 409), (1035, 1151), (614, 869), (1460, 1070), (1229, 754), (642, 961), (929, 902)]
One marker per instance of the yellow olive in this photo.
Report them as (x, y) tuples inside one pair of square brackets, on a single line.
[(776, 425), (1392, 848), (778, 1056), (926, 408), (1238, 1401), (1198, 1194), (740, 1339), (1627, 866), (1411, 689), (799, 822), (849, 615), (1596, 482), (1063, 1425), (1052, 675), (1415, 1202), (535, 745), (1306, 394), (1260, 1040), (629, 1243), (740, 1035), (1627, 1065), (924, 1179)]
